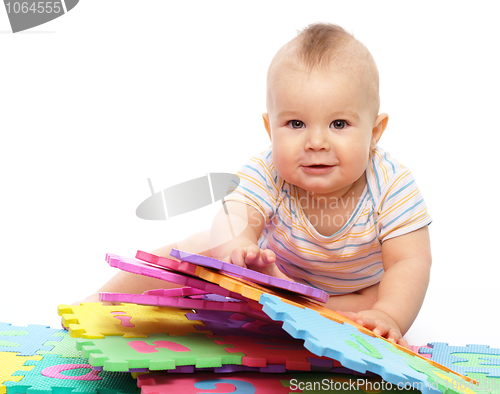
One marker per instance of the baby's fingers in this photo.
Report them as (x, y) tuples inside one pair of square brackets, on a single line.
[(238, 257), (252, 255), (268, 256), (259, 258), (350, 315), (403, 342), (384, 330)]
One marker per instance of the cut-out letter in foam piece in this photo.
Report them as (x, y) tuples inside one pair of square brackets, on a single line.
[(143, 347), (365, 347), (49, 377), (240, 386), (55, 372)]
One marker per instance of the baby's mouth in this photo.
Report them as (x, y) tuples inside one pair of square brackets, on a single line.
[(319, 166)]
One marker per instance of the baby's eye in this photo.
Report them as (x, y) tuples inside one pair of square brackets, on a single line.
[(339, 124), (296, 124)]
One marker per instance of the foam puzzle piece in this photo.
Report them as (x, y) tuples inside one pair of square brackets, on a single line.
[(248, 274), (212, 297), (136, 266), (157, 352), (26, 340), (466, 359), (94, 320), (212, 302), (440, 378), (253, 383), (486, 382), (65, 347), (260, 353), (184, 267), (178, 292), (176, 302), (221, 284), (416, 349), (222, 323), (228, 368), (60, 375), (356, 350), (10, 364), (200, 383)]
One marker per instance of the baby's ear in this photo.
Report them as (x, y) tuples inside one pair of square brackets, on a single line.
[(378, 129), (265, 117)]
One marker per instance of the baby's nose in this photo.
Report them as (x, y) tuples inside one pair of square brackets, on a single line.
[(317, 139)]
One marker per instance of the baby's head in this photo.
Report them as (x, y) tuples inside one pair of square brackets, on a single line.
[(323, 103), (327, 48)]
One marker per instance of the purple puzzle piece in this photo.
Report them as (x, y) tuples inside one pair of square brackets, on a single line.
[(251, 275), (189, 267), (227, 323)]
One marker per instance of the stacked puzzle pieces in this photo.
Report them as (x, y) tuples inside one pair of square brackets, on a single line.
[(225, 330)]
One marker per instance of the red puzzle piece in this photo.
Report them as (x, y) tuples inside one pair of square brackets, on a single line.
[(200, 383), (261, 352)]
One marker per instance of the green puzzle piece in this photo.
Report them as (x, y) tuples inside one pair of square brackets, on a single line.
[(477, 360), (366, 348), (446, 382), (157, 352), (492, 384)]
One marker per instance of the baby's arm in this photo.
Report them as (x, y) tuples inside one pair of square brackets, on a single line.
[(234, 237), (407, 262)]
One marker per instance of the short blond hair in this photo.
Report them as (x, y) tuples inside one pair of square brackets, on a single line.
[(321, 45)]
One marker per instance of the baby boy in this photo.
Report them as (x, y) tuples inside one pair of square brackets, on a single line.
[(324, 205)]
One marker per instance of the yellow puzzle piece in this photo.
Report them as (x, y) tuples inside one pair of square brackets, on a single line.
[(95, 321), (10, 363)]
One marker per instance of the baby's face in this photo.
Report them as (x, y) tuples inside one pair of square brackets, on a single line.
[(321, 129)]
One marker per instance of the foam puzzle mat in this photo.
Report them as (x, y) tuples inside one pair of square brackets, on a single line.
[(279, 342)]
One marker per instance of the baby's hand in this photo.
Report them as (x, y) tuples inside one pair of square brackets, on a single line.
[(254, 258), (380, 323)]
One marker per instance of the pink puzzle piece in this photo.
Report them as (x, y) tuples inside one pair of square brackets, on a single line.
[(178, 292), (141, 268), (187, 303), (199, 383), (175, 265)]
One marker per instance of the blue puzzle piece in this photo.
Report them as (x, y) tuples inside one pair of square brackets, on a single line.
[(466, 359), (27, 340), (352, 348), (61, 375), (65, 346)]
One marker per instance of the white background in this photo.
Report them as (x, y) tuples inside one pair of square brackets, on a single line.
[(118, 91)]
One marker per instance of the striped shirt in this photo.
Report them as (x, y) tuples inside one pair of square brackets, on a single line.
[(351, 259)]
